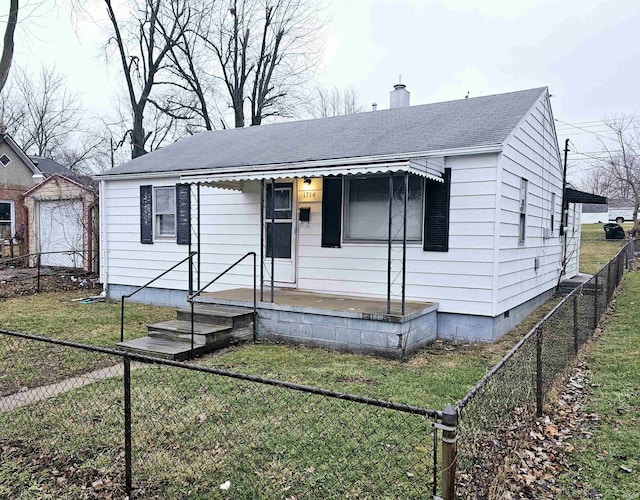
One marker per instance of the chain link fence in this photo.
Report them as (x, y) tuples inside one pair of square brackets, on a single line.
[(503, 405), (86, 422), (47, 271)]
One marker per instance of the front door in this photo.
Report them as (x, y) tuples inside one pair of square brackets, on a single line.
[(281, 239)]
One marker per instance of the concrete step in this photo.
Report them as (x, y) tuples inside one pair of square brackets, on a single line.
[(161, 348), (180, 327), (198, 340), (211, 313)]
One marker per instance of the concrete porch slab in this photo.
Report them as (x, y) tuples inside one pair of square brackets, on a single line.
[(337, 322), (293, 300)]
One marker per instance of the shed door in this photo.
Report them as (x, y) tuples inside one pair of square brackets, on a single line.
[(60, 230)]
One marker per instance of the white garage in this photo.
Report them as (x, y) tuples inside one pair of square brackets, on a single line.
[(60, 229)]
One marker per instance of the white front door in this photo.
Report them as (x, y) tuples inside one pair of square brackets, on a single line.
[(60, 230), (281, 233)]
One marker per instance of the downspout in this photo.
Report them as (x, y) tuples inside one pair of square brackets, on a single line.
[(390, 236), (104, 247), (564, 214), (261, 240), (89, 236)]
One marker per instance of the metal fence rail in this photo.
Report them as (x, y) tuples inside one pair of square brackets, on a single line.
[(133, 424), (507, 400)]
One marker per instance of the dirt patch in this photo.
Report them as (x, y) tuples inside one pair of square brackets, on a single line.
[(16, 282)]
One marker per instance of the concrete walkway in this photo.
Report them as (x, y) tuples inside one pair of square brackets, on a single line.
[(31, 396)]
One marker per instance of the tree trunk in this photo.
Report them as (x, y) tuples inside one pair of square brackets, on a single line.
[(137, 135), (7, 51)]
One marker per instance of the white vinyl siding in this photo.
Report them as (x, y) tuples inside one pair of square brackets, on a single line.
[(229, 225), (530, 153), (459, 280)]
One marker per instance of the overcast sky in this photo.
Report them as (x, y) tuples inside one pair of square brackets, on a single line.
[(586, 51)]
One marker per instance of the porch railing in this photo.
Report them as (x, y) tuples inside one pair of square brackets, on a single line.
[(192, 296), (129, 295)]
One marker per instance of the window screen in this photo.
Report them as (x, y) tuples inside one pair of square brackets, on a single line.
[(367, 208)]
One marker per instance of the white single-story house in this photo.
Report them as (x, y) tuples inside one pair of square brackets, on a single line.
[(447, 215)]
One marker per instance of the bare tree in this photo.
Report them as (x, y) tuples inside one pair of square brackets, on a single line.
[(263, 50), (7, 47), (46, 119), (142, 45), (617, 168), (331, 101), (50, 112)]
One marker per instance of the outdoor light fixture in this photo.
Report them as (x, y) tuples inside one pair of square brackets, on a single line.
[(307, 180)]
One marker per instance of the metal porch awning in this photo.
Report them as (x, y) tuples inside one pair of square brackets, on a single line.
[(231, 178), (576, 196)]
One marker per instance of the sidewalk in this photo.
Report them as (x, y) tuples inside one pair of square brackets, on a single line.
[(31, 396)]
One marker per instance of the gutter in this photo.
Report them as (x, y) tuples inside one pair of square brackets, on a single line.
[(334, 162)]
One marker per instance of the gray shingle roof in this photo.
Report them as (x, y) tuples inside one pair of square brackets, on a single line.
[(464, 123), (49, 166)]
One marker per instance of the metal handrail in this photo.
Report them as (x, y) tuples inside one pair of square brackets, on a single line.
[(191, 297), (129, 295)]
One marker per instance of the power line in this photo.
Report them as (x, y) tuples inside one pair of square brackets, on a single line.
[(584, 129)]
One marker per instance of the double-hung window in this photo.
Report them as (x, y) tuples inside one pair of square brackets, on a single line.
[(367, 208), (522, 226), (165, 212)]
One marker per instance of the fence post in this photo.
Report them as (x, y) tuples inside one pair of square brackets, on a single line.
[(608, 284), (127, 424), (595, 305), (449, 452), (576, 340), (539, 387), (38, 257)]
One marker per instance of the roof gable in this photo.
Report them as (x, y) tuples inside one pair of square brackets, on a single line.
[(466, 123)]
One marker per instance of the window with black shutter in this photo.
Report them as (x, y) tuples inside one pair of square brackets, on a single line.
[(331, 211), (436, 214), (146, 214)]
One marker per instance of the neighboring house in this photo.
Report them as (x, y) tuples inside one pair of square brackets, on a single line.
[(483, 204), (47, 206)]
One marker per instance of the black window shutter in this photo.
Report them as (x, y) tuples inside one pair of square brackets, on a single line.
[(436, 214), (146, 214), (331, 211), (183, 213)]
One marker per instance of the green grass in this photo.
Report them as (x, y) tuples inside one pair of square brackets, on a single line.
[(595, 250), (57, 315), (614, 365), (194, 432)]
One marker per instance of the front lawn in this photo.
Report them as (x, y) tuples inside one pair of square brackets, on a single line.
[(26, 363)]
